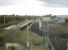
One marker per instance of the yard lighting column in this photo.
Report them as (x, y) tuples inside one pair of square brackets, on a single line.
[(28, 48), (46, 36)]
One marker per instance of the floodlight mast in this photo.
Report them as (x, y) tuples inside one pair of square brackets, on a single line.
[(28, 48)]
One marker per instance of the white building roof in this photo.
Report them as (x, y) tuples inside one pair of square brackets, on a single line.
[(46, 18)]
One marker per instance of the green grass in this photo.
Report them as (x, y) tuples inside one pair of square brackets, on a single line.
[(15, 38), (65, 24), (1, 32)]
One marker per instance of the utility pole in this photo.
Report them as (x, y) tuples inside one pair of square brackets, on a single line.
[(46, 45), (28, 48)]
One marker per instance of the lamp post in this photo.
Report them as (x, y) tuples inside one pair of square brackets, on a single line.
[(28, 48), (45, 37)]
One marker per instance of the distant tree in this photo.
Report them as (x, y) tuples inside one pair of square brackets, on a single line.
[(1, 19), (53, 17), (47, 15)]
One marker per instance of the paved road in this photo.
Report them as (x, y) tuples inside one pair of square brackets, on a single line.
[(35, 28)]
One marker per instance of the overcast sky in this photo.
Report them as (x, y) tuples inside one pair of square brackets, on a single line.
[(34, 7)]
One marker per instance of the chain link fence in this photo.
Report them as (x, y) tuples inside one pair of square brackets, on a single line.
[(57, 35)]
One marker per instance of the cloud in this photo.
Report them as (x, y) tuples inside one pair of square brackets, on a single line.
[(48, 3), (55, 3), (9, 2), (5, 2), (33, 7), (26, 7)]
